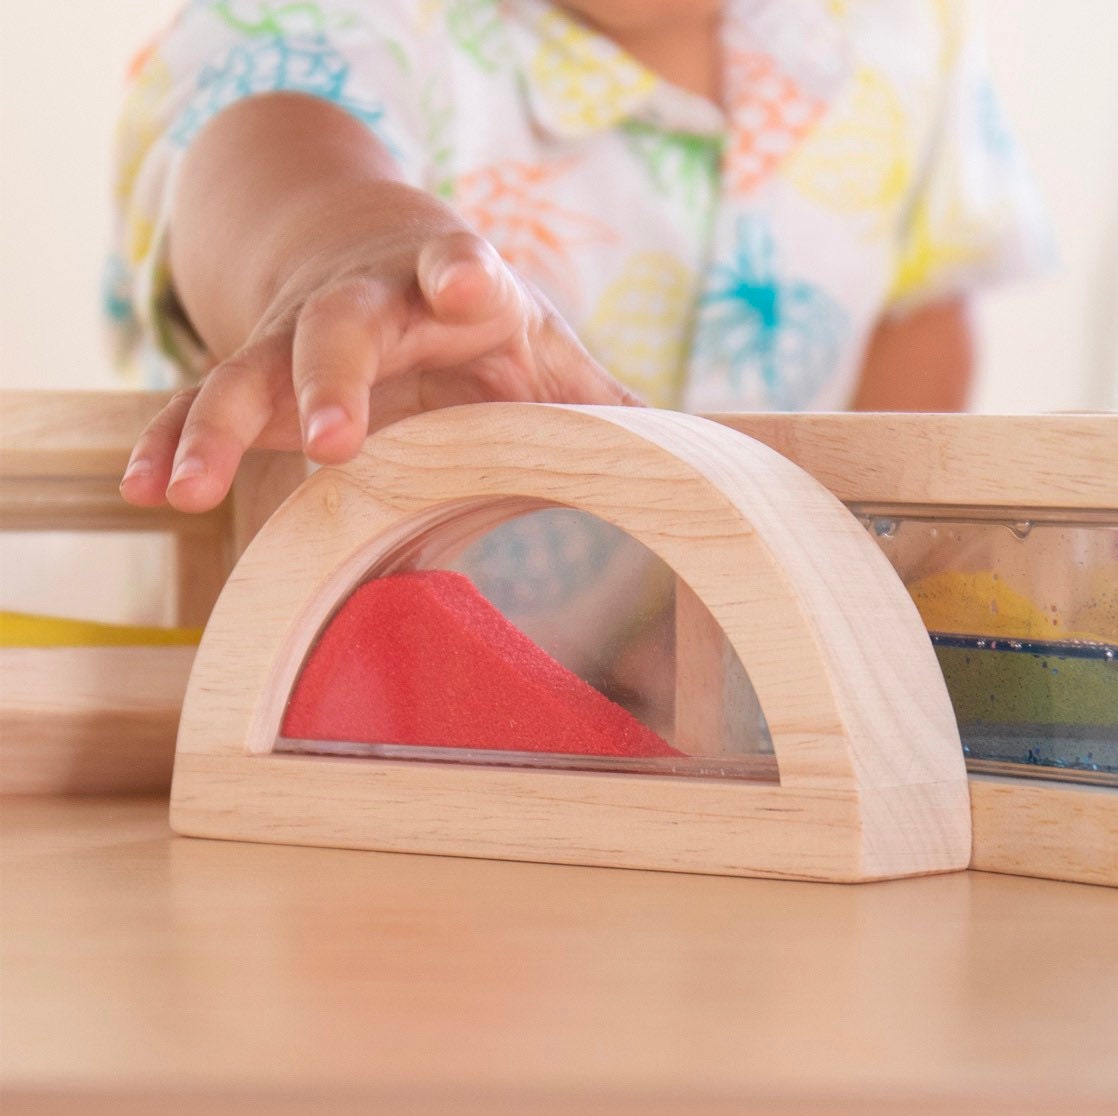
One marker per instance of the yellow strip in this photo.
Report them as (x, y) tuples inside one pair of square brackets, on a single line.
[(982, 604), (19, 629)]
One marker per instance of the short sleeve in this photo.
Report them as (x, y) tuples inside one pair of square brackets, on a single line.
[(216, 53), (976, 218)]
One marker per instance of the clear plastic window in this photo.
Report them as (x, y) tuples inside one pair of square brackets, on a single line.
[(1023, 614), (548, 639)]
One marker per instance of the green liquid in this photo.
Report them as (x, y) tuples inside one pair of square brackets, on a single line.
[(1034, 703)]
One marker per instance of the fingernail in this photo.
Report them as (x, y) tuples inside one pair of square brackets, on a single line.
[(140, 467), (188, 467), (324, 420), (447, 274)]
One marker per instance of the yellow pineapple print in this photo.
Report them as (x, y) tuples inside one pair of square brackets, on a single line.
[(858, 158), (139, 235), (950, 16), (140, 127), (932, 250), (639, 328), (142, 121), (429, 11), (593, 82)]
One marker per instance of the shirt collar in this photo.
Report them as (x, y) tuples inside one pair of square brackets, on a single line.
[(578, 82)]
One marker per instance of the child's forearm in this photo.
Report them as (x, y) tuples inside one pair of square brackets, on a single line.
[(923, 361), (274, 189)]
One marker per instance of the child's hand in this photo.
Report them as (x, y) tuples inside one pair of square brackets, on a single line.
[(339, 355), (337, 300)]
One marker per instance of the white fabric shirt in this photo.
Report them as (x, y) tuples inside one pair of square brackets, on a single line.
[(712, 258)]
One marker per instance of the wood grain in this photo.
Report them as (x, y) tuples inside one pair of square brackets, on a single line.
[(871, 773), (1016, 464), (90, 720), (72, 433), (61, 455), (1059, 831), (1021, 461)]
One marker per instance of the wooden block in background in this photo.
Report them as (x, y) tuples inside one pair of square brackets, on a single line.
[(90, 720)]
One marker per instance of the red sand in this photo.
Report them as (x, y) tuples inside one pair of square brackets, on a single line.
[(424, 659)]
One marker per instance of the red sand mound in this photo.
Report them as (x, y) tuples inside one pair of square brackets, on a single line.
[(424, 659)]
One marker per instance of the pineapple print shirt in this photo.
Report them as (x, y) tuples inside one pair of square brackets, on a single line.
[(711, 258)]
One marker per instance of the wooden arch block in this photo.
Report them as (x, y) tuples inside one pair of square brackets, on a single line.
[(872, 783)]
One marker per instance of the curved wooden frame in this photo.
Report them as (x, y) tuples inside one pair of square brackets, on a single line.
[(872, 782)]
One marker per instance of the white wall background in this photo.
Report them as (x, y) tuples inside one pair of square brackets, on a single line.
[(1051, 345), (62, 67)]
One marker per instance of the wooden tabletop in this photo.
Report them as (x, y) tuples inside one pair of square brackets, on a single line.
[(148, 973)]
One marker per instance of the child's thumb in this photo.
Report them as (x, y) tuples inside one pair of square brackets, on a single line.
[(463, 278)]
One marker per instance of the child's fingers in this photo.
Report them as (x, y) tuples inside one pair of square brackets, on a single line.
[(588, 383), (567, 373), (149, 468), (464, 280), (478, 333), (231, 409), (571, 375), (334, 361)]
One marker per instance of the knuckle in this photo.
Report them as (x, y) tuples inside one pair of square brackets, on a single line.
[(169, 421), (205, 428), (183, 399), (210, 419), (233, 367), (317, 312), (323, 384), (344, 299)]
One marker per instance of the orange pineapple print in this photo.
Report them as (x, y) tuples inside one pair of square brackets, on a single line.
[(769, 116), (508, 204)]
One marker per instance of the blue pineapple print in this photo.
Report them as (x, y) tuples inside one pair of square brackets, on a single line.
[(785, 335), (269, 61)]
